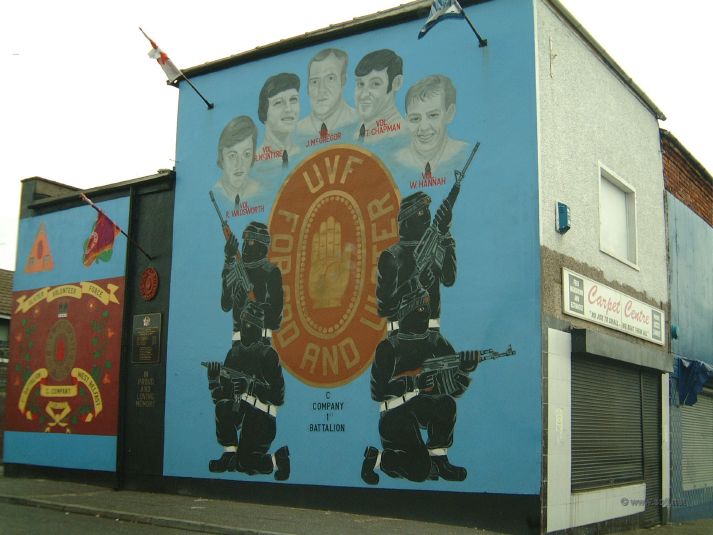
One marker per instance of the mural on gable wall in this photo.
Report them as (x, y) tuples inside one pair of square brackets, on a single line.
[(64, 362), (330, 274), (63, 371)]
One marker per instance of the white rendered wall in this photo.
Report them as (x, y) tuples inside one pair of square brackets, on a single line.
[(566, 509), (587, 116)]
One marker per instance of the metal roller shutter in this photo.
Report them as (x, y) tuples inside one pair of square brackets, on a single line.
[(606, 423), (616, 428), (697, 442)]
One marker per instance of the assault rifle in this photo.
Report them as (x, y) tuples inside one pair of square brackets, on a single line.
[(449, 378), (230, 374), (239, 273), (450, 362), (429, 249)]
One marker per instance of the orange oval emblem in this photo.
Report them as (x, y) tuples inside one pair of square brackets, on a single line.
[(332, 217)]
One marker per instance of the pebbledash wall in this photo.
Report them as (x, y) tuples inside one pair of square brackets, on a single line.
[(337, 180), (594, 123)]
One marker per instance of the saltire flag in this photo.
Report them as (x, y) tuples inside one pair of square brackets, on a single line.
[(441, 9), (100, 242), (173, 73)]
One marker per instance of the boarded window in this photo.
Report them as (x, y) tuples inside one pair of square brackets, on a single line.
[(617, 218)]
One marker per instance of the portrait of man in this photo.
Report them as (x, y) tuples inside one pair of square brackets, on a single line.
[(379, 75), (327, 77), (279, 110), (430, 107), (236, 156)]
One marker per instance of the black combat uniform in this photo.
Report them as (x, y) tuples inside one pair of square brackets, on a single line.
[(411, 400)]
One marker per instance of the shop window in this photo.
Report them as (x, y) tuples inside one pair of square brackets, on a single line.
[(617, 218)]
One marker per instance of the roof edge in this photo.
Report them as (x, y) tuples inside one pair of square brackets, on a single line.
[(608, 60), (161, 175), (697, 165), (403, 12)]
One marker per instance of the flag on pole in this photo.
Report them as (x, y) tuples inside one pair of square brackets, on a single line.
[(441, 9), (101, 240), (100, 243), (173, 73)]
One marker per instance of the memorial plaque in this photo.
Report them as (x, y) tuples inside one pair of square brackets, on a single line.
[(146, 335)]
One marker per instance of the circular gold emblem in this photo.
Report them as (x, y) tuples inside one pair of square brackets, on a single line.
[(61, 350), (333, 216)]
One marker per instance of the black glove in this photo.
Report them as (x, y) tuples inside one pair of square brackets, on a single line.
[(448, 242), (231, 247), (426, 380), (240, 386), (213, 370), (461, 383), (427, 278), (445, 382), (469, 360), (444, 214), (463, 380)]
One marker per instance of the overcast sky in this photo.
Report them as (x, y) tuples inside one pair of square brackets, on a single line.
[(82, 104)]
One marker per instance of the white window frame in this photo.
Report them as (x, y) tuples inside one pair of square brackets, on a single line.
[(630, 192)]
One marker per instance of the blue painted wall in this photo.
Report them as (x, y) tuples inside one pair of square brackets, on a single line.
[(691, 281), (495, 301), (691, 287), (66, 231)]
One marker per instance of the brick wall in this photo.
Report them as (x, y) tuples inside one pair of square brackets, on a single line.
[(686, 179)]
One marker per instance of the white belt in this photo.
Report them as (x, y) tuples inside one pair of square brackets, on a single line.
[(433, 323), (264, 407), (236, 335), (397, 402)]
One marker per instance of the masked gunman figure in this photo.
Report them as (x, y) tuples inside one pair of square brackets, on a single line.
[(412, 399), (408, 265), (264, 279), (247, 390)]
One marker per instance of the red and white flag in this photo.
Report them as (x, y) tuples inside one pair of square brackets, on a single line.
[(173, 73)]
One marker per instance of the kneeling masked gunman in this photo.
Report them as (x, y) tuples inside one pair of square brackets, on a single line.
[(247, 391), (413, 398)]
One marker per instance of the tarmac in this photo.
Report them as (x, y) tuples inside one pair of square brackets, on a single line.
[(208, 515)]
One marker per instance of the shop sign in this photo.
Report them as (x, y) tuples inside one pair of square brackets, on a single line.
[(590, 300)]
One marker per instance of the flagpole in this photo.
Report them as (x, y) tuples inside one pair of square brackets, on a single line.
[(99, 210), (209, 104), (481, 42), (172, 79)]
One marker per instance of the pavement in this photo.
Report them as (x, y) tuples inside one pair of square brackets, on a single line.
[(205, 515), (209, 515)]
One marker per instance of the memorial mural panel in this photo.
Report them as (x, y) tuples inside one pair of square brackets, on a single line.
[(63, 373), (356, 234)]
